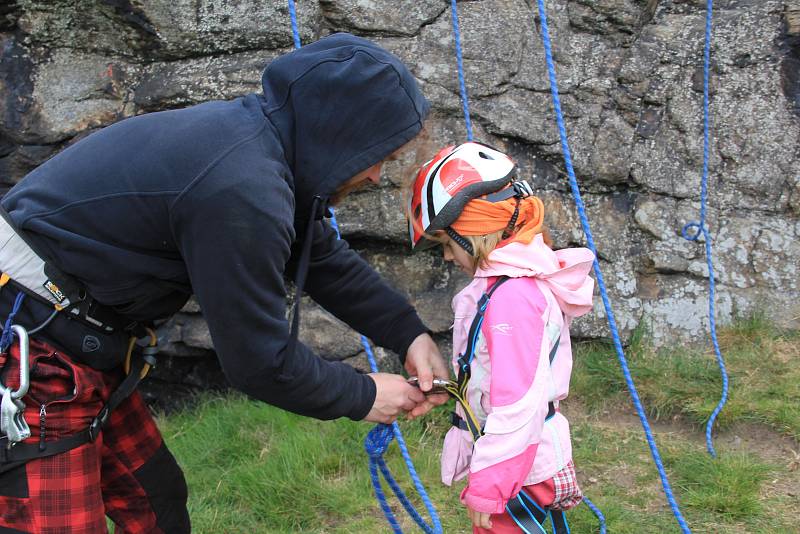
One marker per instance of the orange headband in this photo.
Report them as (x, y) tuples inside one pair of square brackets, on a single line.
[(481, 217)]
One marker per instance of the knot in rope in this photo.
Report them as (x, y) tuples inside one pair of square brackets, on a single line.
[(8, 335), (693, 230), (378, 440)]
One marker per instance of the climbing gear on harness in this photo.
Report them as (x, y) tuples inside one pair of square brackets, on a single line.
[(445, 184), (12, 423), (10, 457), (60, 311), (528, 515)]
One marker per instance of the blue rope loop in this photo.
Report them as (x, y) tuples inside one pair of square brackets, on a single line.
[(378, 438), (693, 230), (599, 275), (8, 335), (700, 228)]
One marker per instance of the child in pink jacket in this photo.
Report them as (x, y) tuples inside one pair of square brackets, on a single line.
[(511, 344)]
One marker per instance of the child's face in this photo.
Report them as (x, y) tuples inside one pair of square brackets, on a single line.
[(454, 253)]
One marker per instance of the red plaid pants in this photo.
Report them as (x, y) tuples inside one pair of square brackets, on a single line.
[(560, 493), (127, 473)]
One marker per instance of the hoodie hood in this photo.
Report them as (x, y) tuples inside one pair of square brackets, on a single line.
[(339, 105), (565, 272)]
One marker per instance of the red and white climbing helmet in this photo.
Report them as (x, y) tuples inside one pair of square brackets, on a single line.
[(444, 185)]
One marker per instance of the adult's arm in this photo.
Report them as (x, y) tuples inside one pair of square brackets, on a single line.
[(235, 234), (345, 285)]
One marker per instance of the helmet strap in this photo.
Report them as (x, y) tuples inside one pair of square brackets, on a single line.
[(512, 223), (461, 240)]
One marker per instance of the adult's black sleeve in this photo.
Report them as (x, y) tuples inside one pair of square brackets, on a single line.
[(345, 285), (235, 236)]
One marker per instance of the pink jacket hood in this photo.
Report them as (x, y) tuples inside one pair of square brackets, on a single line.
[(563, 271)]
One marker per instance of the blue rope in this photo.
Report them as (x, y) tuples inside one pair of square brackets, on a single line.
[(598, 513), (694, 230), (293, 17), (459, 61), (370, 441), (573, 182), (8, 335)]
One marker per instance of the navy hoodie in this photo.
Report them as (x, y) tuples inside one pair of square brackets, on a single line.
[(216, 200)]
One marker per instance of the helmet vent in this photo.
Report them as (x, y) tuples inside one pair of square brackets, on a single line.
[(417, 210), (484, 155)]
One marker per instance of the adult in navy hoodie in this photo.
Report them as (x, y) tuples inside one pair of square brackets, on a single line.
[(225, 200)]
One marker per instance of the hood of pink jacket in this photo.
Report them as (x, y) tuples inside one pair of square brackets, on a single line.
[(563, 271)]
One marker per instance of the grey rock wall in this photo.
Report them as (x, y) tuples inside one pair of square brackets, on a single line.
[(630, 74)]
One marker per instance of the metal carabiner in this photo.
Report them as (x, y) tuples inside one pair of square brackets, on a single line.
[(12, 409), (24, 364)]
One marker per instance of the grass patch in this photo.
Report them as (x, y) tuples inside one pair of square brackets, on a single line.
[(253, 468), (764, 378)]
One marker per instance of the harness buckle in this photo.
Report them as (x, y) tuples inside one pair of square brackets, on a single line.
[(98, 422)]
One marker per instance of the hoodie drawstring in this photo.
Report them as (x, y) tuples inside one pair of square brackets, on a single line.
[(300, 281)]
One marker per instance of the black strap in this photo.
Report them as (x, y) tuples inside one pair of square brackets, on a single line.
[(531, 517), (458, 422), (528, 515), (559, 519), (23, 452), (20, 453), (465, 359)]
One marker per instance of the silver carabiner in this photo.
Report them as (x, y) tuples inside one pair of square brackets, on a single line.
[(24, 364)]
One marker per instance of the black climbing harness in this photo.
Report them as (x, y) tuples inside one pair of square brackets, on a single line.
[(60, 311)]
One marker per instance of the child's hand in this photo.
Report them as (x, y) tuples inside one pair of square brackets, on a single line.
[(480, 519)]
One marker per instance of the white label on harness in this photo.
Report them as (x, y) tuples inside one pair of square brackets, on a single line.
[(55, 291)]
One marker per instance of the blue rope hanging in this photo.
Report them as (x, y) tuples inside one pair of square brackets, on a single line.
[(694, 230), (573, 182), (380, 437), (460, 63)]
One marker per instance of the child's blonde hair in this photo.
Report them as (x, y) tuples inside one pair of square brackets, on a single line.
[(483, 245)]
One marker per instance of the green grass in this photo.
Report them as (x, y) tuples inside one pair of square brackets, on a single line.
[(763, 365), (255, 469)]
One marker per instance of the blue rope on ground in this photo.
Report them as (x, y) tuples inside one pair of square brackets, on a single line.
[(598, 513), (694, 230), (462, 86), (8, 335), (573, 182)]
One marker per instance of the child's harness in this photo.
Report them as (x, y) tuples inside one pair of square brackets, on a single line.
[(528, 515), (60, 311)]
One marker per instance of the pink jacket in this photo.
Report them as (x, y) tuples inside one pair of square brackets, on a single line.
[(512, 377)]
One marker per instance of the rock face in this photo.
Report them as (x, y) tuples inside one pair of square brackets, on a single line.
[(630, 74)]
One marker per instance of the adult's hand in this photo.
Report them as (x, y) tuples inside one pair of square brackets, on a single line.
[(393, 396), (424, 361)]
